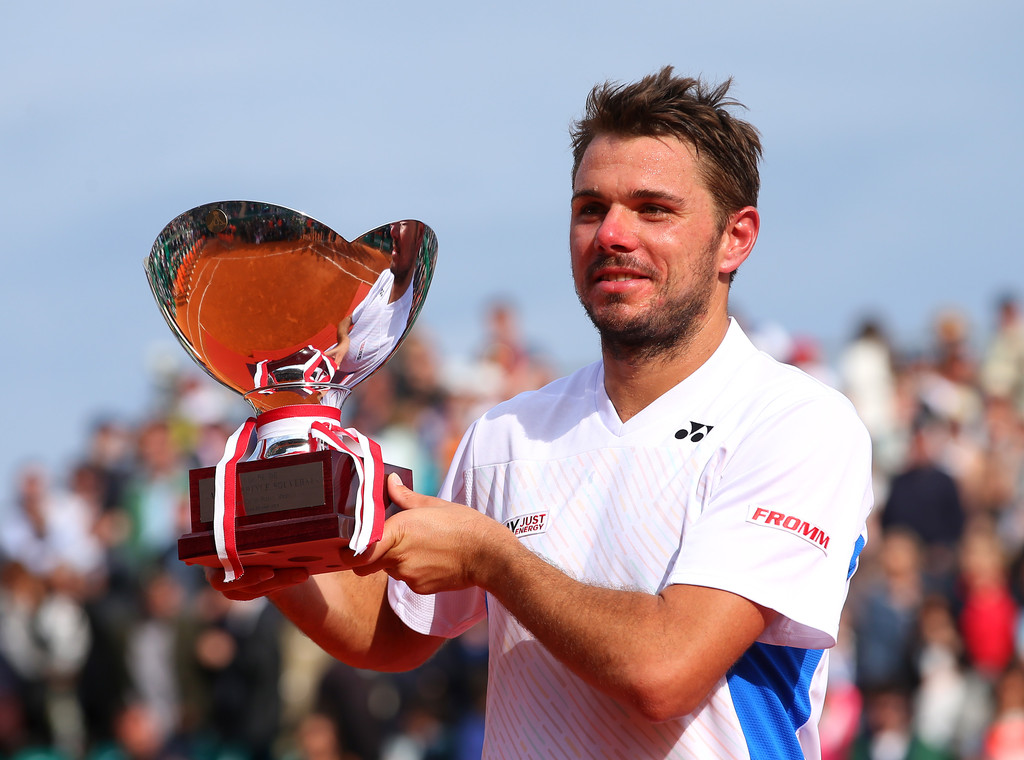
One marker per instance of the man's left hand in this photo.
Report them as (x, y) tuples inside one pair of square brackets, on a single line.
[(433, 545)]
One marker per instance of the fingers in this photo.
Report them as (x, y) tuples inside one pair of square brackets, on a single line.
[(256, 581), (337, 353), (397, 491), (373, 558), (407, 498)]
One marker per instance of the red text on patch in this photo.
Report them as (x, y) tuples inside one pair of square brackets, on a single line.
[(795, 525)]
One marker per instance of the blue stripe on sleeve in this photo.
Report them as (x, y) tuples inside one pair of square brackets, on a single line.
[(857, 549), (770, 687)]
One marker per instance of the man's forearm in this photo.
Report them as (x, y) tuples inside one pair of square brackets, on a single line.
[(350, 618), (660, 653)]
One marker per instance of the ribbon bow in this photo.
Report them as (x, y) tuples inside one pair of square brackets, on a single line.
[(367, 463)]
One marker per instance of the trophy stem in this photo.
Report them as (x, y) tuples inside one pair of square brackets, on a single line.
[(268, 398), (286, 430)]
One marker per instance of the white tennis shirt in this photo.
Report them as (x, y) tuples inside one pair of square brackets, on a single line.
[(748, 476), (377, 325)]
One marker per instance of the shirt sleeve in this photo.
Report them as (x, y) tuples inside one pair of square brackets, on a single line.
[(448, 613), (784, 520)]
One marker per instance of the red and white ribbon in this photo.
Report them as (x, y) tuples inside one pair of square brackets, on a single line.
[(321, 424), (239, 445), (260, 374), (369, 468), (319, 368)]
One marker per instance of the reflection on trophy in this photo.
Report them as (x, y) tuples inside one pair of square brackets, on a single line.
[(283, 310)]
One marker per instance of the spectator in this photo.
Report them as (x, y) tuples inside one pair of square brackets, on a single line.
[(237, 654), (107, 455), (867, 375), (318, 740), (156, 498), (988, 613), (951, 704), (44, 637), (889, 732), (48, 531), (885, 613), (1004, 739), (925, 500), (138, 737), (1002, 370)]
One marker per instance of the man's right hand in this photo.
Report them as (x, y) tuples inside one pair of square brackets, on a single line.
[(256, 581)]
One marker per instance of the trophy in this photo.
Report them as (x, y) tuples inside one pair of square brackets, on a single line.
[(281, 309)]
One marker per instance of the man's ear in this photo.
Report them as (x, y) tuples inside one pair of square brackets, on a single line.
[(738, 238)]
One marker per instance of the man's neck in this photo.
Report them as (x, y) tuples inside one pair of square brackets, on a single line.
[(634, 381)]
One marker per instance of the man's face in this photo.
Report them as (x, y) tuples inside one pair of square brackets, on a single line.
[(404, 251), (644, 243)]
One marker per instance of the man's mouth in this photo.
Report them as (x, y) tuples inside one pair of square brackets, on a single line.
[(614, 276), (617, 269)]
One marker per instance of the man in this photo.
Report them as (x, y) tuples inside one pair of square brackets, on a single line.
[(662, 541), (368, 336)]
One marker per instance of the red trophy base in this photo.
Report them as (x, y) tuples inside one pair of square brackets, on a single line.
[(293, 511)]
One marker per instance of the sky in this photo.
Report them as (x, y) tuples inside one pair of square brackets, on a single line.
[(892, 135)]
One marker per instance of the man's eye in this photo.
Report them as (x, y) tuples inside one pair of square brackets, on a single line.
[(589, 209), (652, 209)]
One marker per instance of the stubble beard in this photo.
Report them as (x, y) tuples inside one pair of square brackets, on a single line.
[(661, 331)]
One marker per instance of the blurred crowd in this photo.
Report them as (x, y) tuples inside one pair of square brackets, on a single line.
[(112, 649)]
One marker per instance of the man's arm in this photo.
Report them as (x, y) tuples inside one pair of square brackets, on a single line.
[(346, 615), (660, 653)]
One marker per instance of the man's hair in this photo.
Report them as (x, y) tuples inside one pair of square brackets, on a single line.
[(728, 149)]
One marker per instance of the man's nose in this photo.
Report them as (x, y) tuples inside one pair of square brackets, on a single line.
[(617, 231)]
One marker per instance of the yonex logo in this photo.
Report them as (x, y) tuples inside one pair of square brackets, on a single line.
[(696, 432), (812, 534)]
